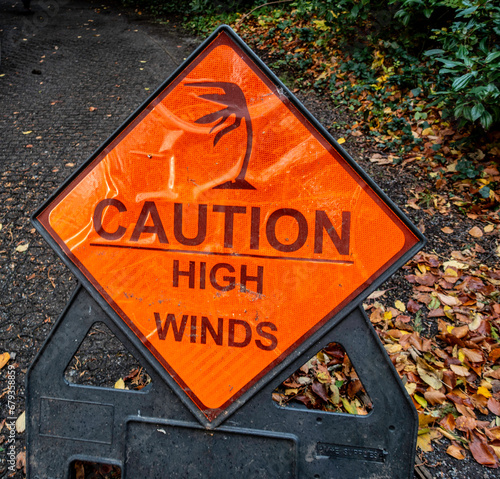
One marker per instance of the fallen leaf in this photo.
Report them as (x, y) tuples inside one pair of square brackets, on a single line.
[(447, 230), (22, 247), (449, 300), (120, 384), (424, 440), (476, 232), (4, 359), (92, 108), (448, 422), (400, 305), (434, 397), (482, 453), (489, 228), (381, 160), (459, 370), (80, 470), (420, 400), (473, 355), (340, 141), (410, 388), (21, 461), (456, 451), (21, 423), (376, 294), (484, 392), (348, 406), (494, 406), (460, 331), (464, 423), (27, 132)]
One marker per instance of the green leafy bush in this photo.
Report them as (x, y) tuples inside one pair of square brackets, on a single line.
[(470, 63)]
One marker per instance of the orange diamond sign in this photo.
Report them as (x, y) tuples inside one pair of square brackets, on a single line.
[(223, 226)]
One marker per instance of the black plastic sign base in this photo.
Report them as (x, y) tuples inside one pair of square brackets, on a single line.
[(152, 434)]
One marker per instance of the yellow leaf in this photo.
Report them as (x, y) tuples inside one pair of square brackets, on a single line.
[(410, 388), (393, 348), (451, 272), (348, 406), (497, 450), (461, 356), (340, 141), (4, 359), (388, 315), (489, 228), (429, 378), (22, 247), (422, 268), (400, 305), (427, 132), (420, 400), (484, 392), (120, 384), (424, 442), (27, 132), (21, 423), (323, 378)]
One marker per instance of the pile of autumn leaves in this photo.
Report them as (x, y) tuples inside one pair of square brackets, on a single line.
[(449, 362)]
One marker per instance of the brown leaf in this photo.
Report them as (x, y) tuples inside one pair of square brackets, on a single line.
[(448, 422), (21, 461), (426, 279), (80, 470), (494, 406), (449, 300), (447, 230), (482, 453), (434, 397), (493, 374), (473, 355), (493, 433), (320, 390), (456, 451), (376, 294), (413, 306), (465, 423), (476, 232), (494, 355), (460, 332)]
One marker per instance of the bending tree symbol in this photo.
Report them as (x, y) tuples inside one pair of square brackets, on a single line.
[(234, 100)]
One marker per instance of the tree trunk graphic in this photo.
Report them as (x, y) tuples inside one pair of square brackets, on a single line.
[(234, 100)]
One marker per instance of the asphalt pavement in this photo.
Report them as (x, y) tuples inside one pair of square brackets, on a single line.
[(71, 72)]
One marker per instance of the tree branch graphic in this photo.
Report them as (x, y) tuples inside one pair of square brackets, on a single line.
[(234, 101)]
